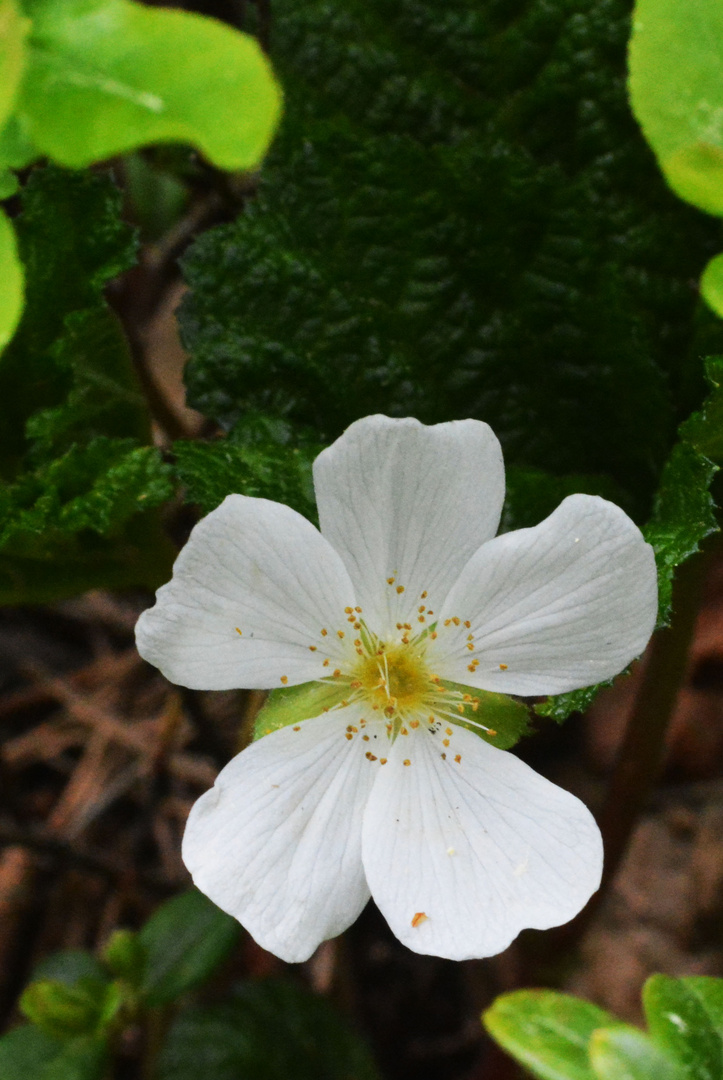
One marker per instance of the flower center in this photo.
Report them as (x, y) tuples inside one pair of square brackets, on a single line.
[(395, 679)]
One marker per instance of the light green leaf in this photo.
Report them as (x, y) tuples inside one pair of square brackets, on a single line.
[(292, 704), (11, 281), (106, 76), (709, 992), (624, 1053), (676, 91), (681, 1025), (711, 285), (13, 28), (547, 1032), (185, 941)]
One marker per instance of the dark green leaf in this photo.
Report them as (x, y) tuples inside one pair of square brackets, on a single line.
[(560, 706), (27, 1053), (78, 484), (683, 515), (211, 471), (459, 219), (185, 941), (704, 429), (680, 1024), (269, 1031), (547, 1032), (106, 76), (70, 966)]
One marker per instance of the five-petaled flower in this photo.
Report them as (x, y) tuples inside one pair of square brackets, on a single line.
[(404, 592)]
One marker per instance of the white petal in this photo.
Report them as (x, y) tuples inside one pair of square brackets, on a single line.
[(461, 856), (404, 501), (261, 568), (277, 841), (550, 609)]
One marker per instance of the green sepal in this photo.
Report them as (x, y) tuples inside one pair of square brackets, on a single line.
[(506, 717), (292, 704)]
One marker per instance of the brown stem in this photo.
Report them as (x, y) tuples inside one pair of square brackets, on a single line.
[(640, 758)]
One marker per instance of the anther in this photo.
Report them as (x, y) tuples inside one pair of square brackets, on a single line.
[(433, 634), (458, 758), (340, 633), (238, 631), (382, 761), (358, 610), (419, 918), (448, 731), (414, 723), (349, 735), (365, 738), (503, 667), (390, 580), (406, 761), (424, 595), (467, 623), (325, 664), (421, 618), (400, 589), (284, 679), (324, 633), (455, 620), (348, 610), (422, 608), (297, 728), (445, 742), (312, 648), (336, 672)]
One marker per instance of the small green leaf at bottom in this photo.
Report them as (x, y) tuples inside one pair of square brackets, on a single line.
[(547, 1032)]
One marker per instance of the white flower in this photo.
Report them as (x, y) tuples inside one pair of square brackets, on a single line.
[(405, 588)]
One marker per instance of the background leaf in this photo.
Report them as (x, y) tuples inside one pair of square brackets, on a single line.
[(269, 1031), (185, 941), (428, 241), (110, 75), (26, 1052)]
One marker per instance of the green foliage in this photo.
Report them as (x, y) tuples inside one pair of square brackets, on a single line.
[(105, 76), (184, 942), (78, 478), (676, 91), (558, 1037), (27, 1052), (88, 1007), (85, 80), (13, 29), (79, 1007), (457, 219), (211, 471), (269, 1031)]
